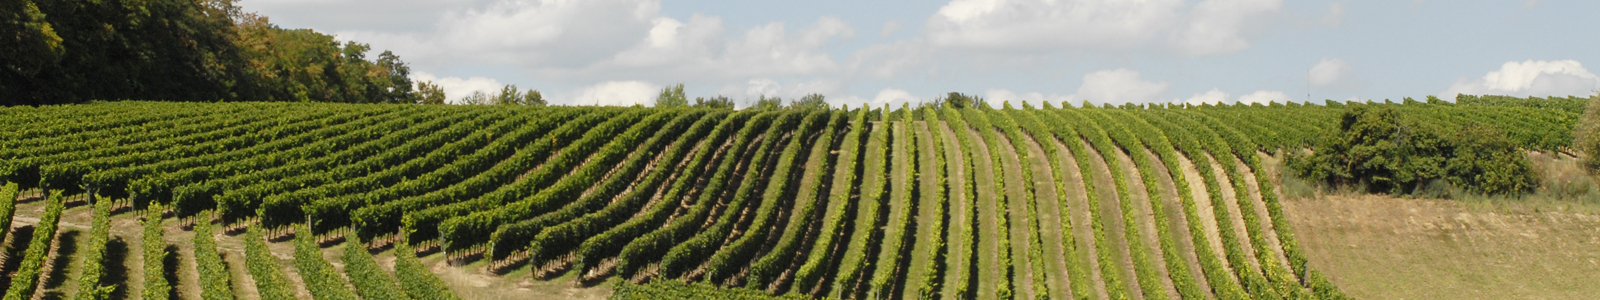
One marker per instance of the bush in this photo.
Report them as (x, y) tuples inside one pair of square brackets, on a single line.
[(1385, 151), (1586, 138)]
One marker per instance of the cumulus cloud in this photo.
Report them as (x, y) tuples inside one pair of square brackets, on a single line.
[(457, 87), (1264, 97), (892, 97), (1213, 97), (998, 95), (1530, 78), (1118, 86), (1335, 74), (1208, 28), (616, 93), (1222, 26), (1012, 24)]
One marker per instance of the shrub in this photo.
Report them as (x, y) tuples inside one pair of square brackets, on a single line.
[(1386, 151), (1586, 138)]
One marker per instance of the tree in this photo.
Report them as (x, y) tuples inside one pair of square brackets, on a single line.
[(72, 51), (31, 42), (533, 98), (672, 96), (477, 98), (718, 102), (509, 95), (764, 103), (1586, 137), (1385, 151), (812, 101), (429, 93)]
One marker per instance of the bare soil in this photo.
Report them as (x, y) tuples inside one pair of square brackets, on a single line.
[(1110, 215), (1377, 247)]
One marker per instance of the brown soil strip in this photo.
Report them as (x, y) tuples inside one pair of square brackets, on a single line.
[(1021, 233), (926, 213), (1079, 215), (1147, 223), (1202, 203), (1048, 201), (956, 161), (1262, 214), (1229, 196), (1110, 215), (1178, 222), (988, 246)]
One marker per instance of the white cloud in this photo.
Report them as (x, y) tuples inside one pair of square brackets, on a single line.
[(1264, 97), (1215, 96), (1530, 78), (616, 93), (1049, 24), (998, 95), (755, 88), (1221, 26), (889, 96), (1118, 86), (457, 87), (1335, 75)]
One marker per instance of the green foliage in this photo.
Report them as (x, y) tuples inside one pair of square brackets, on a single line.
[(1385, 150), (672, 96), (370, 280), (636, 251), (767, 103), (271, 283), (94, 257), (1483, 161), (1570, 104), (810, 101), (673, 289), (717, 102), (430, 93), (319, 276), (28, 273), (1586, 137), (840, 204), (214, 276), (8, 206), (31, 42), (418, 282), (155, 255)]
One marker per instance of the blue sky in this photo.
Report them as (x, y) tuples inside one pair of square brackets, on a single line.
[(621, 52)]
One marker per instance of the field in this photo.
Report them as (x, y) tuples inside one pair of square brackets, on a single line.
[(335, 201)]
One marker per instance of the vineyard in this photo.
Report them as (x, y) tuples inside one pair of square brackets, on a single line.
[(1052, 202)]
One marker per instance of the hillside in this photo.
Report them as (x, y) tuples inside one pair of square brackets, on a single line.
[(1128, 202)]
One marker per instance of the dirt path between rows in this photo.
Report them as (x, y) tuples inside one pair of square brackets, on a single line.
[(926, 215), (958, 267), (1110, 215), (1081, 218), (1178, 222), (1203, 207), (1262, 214), (1020, 230), (988, 230), (1049, 204), (1147, 223), (1232, 205)]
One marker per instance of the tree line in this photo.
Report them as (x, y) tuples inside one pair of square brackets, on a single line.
[(73, 51)]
